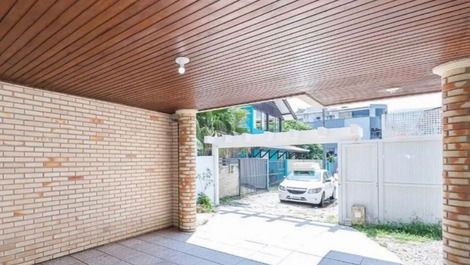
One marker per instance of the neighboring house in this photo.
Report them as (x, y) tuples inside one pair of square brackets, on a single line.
[(268, 117), (369, 118)]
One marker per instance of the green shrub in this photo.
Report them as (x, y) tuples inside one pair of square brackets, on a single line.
[(204, 203), (415, 231)]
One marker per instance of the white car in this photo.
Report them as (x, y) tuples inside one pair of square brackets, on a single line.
[(313, 186)]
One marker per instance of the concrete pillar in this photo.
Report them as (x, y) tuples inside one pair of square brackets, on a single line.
[(187, 152), (456, 151)]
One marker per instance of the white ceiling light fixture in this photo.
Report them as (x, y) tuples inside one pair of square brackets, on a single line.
[(390, 90), (181, 61)]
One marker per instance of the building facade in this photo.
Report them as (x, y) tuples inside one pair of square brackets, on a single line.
[(369, 118)]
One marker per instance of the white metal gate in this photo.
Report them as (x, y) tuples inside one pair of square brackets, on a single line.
[(358, 184), (397, 180)]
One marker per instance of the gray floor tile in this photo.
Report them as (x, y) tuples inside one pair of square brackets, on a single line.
[(369, 261), (144, 259), (68, 260), (327, 261), (119, 251), (105, 260), (249, 262), (87, 255), (345, 257)]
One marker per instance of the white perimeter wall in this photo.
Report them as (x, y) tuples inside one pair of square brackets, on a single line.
[(397, 180), (205, 176)]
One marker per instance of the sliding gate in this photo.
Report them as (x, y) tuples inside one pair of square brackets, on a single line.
[(253, 175)]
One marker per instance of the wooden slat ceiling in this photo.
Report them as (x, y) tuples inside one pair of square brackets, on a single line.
[(241, 51)]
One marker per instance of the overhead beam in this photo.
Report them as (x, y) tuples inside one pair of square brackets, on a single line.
[(269, 139)]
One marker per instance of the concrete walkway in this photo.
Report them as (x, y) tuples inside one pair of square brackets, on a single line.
[(234, 236)]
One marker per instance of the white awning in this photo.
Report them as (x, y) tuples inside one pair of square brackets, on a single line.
[(268, 139)]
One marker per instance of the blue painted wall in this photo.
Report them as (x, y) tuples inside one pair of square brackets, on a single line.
[(251, 120)]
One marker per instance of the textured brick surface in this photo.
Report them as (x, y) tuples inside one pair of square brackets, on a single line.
[(77, 173), (187, 169), (456, 144)]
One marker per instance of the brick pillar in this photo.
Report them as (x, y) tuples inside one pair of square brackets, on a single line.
[(187, 169), (456, 151)]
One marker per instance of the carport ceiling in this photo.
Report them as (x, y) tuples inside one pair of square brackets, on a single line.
[(240, 51)]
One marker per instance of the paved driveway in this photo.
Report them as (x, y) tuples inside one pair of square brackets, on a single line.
[(234, 236), (268, 202)]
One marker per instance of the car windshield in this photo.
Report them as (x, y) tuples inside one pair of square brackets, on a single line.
[(305, 175)]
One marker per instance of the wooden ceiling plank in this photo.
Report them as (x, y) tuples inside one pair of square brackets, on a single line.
[(34, 14), (302, 61), (173, 14), (391, 26), (57, 41), (207, 101), (213, 48), (68, 15), (169, 45), (124, 50), (369, 71), (102, 19), (5, 7), (171, 60), (207, 70), (339, 51), (171, 57), (15, 14), (36, 24)]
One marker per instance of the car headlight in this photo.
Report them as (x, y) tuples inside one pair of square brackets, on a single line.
[(282, 188), (316, 190)]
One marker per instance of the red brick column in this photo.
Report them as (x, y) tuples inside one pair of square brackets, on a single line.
[(456, 152), (187, 169)]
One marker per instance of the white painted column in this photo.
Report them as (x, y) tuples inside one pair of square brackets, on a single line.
[(215, 157)]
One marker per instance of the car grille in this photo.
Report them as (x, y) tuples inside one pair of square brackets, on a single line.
[(296, 190)]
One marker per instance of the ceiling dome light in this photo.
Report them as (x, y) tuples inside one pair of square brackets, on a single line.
[(392, 90), (182, 61)]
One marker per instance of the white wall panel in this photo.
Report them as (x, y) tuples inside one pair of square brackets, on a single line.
[(407, 172)]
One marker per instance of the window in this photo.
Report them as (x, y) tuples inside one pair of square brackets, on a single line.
[(273, 125), (260, 120)]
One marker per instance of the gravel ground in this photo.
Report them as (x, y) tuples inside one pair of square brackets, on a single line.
[(268, 202), (414, 253), (410, 252)]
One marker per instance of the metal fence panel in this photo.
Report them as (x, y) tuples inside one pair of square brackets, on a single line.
[(412, 123), (253, 174), (277, 171)]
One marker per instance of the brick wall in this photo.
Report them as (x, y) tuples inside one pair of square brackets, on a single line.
[(456, 126), (76, 173)]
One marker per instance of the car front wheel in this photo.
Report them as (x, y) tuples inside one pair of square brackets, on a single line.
[(333, 194), (322, 201)]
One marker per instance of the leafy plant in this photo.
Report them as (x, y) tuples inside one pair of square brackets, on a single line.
[(204, 203), (219, 122), (415, 231)]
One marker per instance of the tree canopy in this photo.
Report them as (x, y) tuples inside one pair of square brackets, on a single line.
[(219, 122)]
